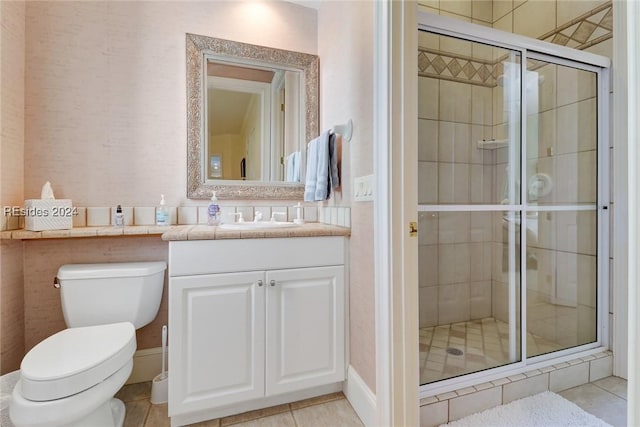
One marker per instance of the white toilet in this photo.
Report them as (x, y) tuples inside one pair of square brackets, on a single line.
[(70, 378)]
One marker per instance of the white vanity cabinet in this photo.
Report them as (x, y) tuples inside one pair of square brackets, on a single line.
[(253, 322), (217, 340)]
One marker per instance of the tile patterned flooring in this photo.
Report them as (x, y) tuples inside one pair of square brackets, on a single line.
[(323, 411), (484, 344), (605, 398)]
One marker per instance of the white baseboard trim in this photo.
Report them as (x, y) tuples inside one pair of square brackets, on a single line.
[(147, 364), (362, 399)]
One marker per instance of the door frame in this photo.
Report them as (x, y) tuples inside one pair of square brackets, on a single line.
[(626, 133), (395, 149)]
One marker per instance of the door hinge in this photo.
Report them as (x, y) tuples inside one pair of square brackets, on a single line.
[(413, 229)]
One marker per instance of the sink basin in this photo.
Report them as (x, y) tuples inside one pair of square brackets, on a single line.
[(260, 225)]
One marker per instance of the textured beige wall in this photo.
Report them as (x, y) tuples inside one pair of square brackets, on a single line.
[(12, 42), (346, 74), (12, 307), (105, 90), (101, 86)]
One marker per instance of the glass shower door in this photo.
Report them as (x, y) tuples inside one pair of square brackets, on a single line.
[(469, 206), (510, 185), (561, 206)]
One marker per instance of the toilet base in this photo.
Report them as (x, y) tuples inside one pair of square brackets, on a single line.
[(109, 414), (105, 410)]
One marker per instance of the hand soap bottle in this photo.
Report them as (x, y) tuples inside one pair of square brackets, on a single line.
[(162, 213), (118, 218), (213, 211)]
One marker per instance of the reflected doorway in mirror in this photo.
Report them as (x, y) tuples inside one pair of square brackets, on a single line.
[(215, 166)]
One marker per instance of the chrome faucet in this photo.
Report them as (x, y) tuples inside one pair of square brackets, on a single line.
[(239, 215), (273, 215)]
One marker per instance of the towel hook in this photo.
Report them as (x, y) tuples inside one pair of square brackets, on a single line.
[(346, 130)]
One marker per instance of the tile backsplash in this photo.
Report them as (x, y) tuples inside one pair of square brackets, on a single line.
[(192, 215)]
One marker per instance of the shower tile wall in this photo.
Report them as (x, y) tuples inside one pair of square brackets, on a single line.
[(455, 247)]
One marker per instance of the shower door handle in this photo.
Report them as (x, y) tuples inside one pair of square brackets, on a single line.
[(413, 229)]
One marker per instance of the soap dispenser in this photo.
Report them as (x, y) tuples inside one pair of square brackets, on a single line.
[(162, 213), (213, 211), (118, 218), (298, 219)]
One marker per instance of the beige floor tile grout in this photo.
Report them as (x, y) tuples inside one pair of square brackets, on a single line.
[(608, 391), (295, 422), (146, 416), (317, 401)]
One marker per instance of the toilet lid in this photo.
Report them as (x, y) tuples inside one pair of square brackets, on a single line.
[(76, 359)]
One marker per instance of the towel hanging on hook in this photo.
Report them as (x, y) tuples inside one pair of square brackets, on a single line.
[(345, 130)]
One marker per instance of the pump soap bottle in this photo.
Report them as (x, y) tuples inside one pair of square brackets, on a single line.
[(162, 213), (213, 211), (118, 218)]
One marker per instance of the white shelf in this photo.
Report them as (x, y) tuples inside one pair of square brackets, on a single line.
[(492, 144)]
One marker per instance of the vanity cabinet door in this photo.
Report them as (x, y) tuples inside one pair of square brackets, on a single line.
[(216, 341), (305, 328)]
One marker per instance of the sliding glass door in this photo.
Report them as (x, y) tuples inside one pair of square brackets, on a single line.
[(509, 219), (561, 205)]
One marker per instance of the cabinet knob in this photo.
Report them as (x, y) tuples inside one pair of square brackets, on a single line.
[(260, 283), (272, 283)]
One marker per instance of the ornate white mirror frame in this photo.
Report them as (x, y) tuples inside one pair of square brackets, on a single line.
[(197, 49)]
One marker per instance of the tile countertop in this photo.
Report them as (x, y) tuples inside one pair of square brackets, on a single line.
[(205, 232), (129, 230), (179, 232)]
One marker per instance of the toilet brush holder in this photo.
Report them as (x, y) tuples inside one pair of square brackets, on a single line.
[(160, 389), (160, 383)]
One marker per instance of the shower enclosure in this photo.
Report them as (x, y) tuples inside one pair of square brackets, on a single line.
[(513, 202)]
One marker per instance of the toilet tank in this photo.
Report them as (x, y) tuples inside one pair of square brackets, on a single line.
[(96, 294)]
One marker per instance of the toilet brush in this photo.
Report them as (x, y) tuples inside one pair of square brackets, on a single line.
[(160, 383), (164, 351)]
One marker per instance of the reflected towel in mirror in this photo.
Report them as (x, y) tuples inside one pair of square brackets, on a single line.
[(292, 166)]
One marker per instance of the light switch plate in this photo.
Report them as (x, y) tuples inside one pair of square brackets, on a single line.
[(363, 188)]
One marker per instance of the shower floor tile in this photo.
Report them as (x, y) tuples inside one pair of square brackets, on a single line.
[(461, 348)]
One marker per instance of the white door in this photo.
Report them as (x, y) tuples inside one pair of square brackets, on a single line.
[(216, 344), (305, 328)]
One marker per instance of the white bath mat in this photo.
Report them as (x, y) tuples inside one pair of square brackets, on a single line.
[(541, 410), (7, 382)]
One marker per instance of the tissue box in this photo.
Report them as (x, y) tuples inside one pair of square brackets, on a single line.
[(48, 214)]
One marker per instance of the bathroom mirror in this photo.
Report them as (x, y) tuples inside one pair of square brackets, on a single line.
[(250, 111)]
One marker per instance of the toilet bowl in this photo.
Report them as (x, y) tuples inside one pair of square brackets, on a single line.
[(70, 378)]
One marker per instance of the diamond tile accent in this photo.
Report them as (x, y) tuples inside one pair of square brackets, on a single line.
[(573, 44), (607, 21), (568, 31), (582, 31), (439, 64), (598, 16), (560, 39), (454, 67), (484, 72), (423, 61), (586, 30), (469, 70)]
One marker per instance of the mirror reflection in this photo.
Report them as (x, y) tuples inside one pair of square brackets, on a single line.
[(254, 125)]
